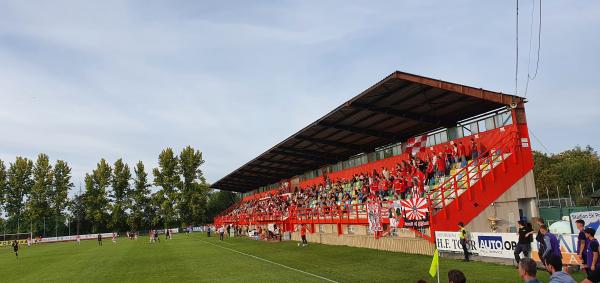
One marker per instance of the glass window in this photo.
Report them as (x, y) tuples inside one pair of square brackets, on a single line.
[(431, 140), (466, 131), (481, 126), (473, 128), (489, 123)]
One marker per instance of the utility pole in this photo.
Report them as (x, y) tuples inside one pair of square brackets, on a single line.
[(558, 193)]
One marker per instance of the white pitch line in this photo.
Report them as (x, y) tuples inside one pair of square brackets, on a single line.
[(266, 260)]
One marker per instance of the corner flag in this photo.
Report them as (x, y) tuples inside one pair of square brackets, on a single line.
[(434, 264)]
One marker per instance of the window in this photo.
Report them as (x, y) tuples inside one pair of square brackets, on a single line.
[(503, 119), (489, 123), (431, 140), (473, 128), (481, 126)]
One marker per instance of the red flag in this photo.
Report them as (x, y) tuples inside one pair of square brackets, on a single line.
[(416, 144)]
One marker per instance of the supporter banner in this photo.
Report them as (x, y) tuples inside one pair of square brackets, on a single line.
[(198, 229), (74, 237), (374, 216), (9, 243), (415, 212), (502, 245), (395, 215), (591, 218)]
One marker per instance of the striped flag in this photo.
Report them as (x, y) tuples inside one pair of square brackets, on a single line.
[(416, 144)]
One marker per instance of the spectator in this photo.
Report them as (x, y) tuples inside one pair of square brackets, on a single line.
[(528, 270), (554, 266), (524, 244), (582, 241), (552, 244), (456, 276), (540, 239), (592, 251)]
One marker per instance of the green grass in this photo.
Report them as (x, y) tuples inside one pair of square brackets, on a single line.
[(192, 258)]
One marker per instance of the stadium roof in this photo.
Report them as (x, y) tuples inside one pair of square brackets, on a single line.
[(400, 106)]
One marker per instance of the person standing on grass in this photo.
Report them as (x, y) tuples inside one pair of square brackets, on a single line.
[(221, 232), (303, 229), (582, 240), (592, 261), (78, 238), (528, 270), (554, 267), (99, 239), (15, 246), (208, 231), (463, 238), (524, 243), (552, 244)]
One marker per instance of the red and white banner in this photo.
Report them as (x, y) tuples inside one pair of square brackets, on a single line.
[(416, 144), (374, 217), (416, 212)]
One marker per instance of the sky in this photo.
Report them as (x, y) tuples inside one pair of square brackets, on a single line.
[(84, 80)]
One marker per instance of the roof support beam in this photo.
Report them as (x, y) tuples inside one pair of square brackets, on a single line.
[(283, 163), (248, 172), (312, 154), (366, 132), (400, 114), (304, 156), (329, 142)]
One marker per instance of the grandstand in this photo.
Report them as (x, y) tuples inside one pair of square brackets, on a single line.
[(407, 157)]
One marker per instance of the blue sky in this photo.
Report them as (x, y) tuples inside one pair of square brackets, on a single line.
[(82, 80)]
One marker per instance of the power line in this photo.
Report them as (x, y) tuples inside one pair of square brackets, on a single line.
[(539, 141), (517, 52), (537, 64)]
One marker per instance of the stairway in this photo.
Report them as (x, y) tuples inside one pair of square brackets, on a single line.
[(465, 194)]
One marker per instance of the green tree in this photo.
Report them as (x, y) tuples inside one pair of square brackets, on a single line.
[(62, 184), (140, 199), (575, 168), (19, 187), (3, 186), (96, 201), (120, 195), (167, 177), (156, 205), (194, 189), (38, 203), (219, 201)]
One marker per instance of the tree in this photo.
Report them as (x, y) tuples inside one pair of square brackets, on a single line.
[(3, 186), (140, 199), (96, 201), (119, 195), (19, 187), (194, 190), (571, 168), (38, 204), (166, 176), (219, 201), (62, 185)]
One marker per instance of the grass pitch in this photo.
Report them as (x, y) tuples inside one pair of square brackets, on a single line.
[(196, 258)]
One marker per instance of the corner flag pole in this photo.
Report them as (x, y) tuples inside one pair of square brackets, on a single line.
[(438, 272)]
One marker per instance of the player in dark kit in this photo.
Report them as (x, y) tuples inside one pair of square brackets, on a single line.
[(99, 239), (15, 246)]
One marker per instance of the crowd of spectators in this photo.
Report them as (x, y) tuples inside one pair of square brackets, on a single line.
[(414, 176)]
